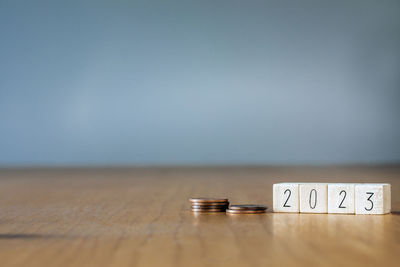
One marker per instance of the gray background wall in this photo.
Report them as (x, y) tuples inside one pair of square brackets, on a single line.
[(199, 82)]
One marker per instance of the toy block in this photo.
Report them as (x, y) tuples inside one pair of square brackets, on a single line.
[(313, 198), (341, 198), (372, 198), (286, 197)]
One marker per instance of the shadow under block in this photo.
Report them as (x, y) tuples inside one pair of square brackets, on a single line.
[(313, 198), (373, 198), (341, 198), (286, 197)]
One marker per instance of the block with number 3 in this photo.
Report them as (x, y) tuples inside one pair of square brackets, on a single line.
[(286, 197), (341, 198), (373, 198)]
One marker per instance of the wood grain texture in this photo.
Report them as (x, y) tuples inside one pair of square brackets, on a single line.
[(140, 217)]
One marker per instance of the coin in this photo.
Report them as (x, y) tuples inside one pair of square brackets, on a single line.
[(247, 207), (205, 204), (210, 207), (208, 200), (208, 210), (229, 211)]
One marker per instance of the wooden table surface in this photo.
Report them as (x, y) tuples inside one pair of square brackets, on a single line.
[(141, 217)]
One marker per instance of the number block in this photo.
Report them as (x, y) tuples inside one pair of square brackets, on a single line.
[(286, 197), (313, 198), (372, 198), (341, 198)]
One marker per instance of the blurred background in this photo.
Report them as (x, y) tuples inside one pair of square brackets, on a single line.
[(199, 82)]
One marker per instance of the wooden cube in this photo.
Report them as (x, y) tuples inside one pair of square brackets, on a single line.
[(341, 198), (286, 197), (372, 198), (313, 198)]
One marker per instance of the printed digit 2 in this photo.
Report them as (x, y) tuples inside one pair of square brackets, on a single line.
[(340, 205), (286, 205)]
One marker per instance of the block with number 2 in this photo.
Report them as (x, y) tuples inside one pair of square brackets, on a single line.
[(286, 197), (341, 198)]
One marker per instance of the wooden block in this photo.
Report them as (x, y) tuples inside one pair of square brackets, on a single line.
[(372, 198), (341, 198), (286, 197), (313, 198)]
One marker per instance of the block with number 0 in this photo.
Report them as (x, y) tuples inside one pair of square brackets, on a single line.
[(313, 198), (372, 198), (341, 198), (286, 197)]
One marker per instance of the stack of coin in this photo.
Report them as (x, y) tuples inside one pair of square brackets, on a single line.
[(209, 204), (246, 209)]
